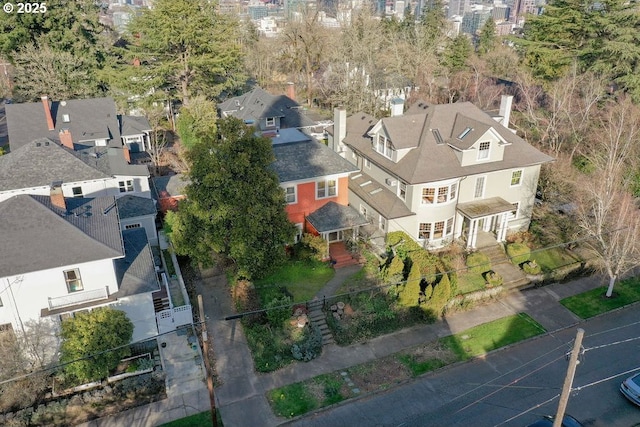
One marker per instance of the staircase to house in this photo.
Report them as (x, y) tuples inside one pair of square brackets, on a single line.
[(318, 318), (340, 256), (160, 300), (512, 276)]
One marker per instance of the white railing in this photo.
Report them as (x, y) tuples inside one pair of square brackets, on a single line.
[(78, 298)]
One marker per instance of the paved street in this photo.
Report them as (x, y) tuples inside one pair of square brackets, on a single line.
[(499, 389)]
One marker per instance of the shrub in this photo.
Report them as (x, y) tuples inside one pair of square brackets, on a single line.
[(394, 271), (478, 263), (518, 253), (440, 297), (531, 267), (279, 310), (493, 278), (310, 346), (316, 244)]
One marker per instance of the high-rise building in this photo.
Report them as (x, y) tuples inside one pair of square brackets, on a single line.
[(458, 7)]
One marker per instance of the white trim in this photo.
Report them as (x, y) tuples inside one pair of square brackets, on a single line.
[(286, 193), (511, 184), (326, 188), (481, 151)]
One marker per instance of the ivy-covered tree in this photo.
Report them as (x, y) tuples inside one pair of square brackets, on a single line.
[(189, 45), (101, 334), (234, 206)]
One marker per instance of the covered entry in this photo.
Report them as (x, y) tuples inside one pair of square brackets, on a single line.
[(335, 222), (489, 215)]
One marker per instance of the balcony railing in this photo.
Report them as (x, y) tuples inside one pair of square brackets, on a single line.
[(78, 298)]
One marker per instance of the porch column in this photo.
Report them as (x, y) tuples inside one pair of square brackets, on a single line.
[(473, 234), (486, 225), (502, 233)]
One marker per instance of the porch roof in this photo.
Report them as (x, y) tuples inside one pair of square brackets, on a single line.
[(332, 217), (483, 208)]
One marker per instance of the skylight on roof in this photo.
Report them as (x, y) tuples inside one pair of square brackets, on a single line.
[(376, 191), (465, 132), (364, 184), (356, 176)]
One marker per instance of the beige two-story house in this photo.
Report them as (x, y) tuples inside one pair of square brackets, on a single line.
[(440, 172)]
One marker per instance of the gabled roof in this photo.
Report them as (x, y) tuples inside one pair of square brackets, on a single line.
[(307, 160), (42, 162), (135, 272), (134, 206), (38, 236), (134, 125), (89, 119), (432, 160), (258, 104), (333, 216)]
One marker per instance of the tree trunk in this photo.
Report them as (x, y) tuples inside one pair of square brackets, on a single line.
[(612, 281)]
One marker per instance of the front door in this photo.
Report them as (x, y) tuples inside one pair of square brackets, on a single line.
[(335, 236)]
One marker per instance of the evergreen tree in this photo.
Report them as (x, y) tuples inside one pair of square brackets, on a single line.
[(487, 39), (457, 54), (234, 206), (188, 46)]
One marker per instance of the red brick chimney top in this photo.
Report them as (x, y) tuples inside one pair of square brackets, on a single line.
[(47, 112)]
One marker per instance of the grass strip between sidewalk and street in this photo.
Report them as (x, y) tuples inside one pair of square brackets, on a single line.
[(594, 302), (324, 390), (202, 419)]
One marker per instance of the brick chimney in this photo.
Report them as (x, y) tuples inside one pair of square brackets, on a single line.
[(126, 153), (47, 112), (57, 198), (505, 109), (65, 138), (291, 91)]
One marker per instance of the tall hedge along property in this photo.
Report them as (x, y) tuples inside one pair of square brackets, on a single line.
[(427, 283)]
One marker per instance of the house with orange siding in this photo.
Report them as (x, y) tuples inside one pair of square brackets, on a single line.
[(315, 182)]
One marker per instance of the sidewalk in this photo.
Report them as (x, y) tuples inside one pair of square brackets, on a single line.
[(241, 397)]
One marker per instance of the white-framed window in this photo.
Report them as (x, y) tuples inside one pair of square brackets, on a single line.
[(382, 223), (483, 150), (402, 190), (326, 188), (367, 163), (479, 188), (516, 177), (514, 212), (135, 138), (271, 121), (436, 230), (424, 232), (101, 142), (443, 194), (132, 226), (290, 195), (73, 280), (125, 186), (384, 147), (77, 191)]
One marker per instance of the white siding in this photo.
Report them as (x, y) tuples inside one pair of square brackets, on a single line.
[(147, 222)]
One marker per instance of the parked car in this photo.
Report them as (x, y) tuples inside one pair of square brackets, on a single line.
[(631, 388), (547, 421)]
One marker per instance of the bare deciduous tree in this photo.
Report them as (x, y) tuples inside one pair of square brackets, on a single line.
[(607, 214)]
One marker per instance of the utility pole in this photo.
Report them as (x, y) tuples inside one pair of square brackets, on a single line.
[(568, 381), (207, 367)]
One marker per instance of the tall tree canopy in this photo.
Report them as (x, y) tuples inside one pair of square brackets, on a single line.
[(95, 333), (59, 53), (188, 45), (235, 205), (603, 37)]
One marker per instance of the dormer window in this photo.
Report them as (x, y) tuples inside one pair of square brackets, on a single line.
[(271, 121), (384, 147), (483, 150)]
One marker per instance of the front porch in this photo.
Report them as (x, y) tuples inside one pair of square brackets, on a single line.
[(484, 221)]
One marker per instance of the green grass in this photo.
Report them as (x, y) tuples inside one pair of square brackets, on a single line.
[(553, 258), (594, 302), (171, 270), (203, 419), (492, 335), (419, 368), (291, 400), (470, 282), (303, 279)]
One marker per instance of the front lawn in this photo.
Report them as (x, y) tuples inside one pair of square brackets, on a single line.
[(303, 279), (300, 398), (470, 282), (594, 302), (203, 419), (484, 338), (553, 258)]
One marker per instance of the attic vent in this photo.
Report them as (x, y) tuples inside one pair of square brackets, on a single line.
[(63, 103), (46, 143), (356, 176), (38, 144), (376, 191), (437, 136), (465, 132), (364, 184)]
